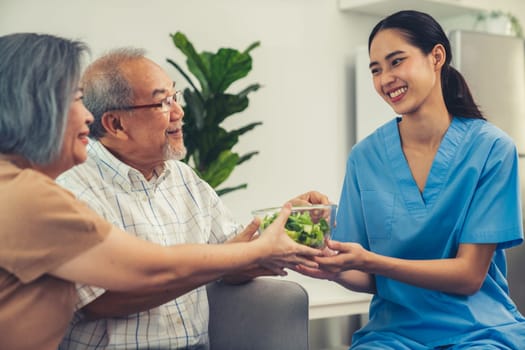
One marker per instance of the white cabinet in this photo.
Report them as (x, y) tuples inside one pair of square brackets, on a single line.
[(437, 8)]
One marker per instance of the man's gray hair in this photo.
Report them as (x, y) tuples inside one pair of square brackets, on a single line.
[(105, 86), (38, 77)]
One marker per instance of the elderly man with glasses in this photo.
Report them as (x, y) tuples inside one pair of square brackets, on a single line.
[(133, 177)]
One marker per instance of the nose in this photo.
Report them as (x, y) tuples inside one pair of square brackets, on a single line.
[(176, 111), (89, 117), (387, 78), (382, 81)]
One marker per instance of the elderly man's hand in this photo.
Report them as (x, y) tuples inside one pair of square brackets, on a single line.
[(249, 233)]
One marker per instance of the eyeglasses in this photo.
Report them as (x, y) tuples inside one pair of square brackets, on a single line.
[(166, 104)]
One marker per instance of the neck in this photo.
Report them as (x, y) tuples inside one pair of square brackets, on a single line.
[(50, 170), (424, 130), (133, 159)]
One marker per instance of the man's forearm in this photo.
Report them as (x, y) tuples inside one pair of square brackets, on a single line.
[(118, 304)]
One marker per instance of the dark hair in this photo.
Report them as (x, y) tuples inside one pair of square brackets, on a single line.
[(424, 32), (38, 76)]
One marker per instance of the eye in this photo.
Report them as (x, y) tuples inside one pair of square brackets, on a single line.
[(375, 69), (169, 100), (397, 61), (78, 94)]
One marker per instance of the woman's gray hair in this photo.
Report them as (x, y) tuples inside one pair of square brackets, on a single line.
[(105, 86), (38, 77)]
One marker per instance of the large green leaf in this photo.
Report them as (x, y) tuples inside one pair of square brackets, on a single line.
[(195, 63), (214, 143), (223, 105), (221, 168), (195, 110), (227, 66)]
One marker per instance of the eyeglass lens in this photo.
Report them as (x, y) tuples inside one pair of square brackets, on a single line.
[(170, 101)]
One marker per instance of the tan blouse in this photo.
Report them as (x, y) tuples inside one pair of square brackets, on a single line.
[(41, 227)]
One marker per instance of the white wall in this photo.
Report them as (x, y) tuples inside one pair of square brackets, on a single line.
[(305, 64)]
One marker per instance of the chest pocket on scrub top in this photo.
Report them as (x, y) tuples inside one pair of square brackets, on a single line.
[(378, 211)]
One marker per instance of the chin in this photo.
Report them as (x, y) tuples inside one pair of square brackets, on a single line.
[(79, 161), (174, 152)]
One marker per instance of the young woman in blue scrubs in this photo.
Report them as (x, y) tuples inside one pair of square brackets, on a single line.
[(429, 203)]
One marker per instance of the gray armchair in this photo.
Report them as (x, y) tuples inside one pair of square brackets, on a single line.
[(263, 314)]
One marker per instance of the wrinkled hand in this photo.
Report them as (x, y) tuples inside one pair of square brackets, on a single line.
[(282, 250), (309, 198), (242, 276), (249, 233)]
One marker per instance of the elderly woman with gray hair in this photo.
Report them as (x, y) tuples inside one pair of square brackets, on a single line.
[(49, 239)]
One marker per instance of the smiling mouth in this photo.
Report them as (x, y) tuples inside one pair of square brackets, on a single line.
[(174, 131), (397, 92)]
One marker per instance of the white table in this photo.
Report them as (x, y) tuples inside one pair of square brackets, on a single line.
[(329, 299)]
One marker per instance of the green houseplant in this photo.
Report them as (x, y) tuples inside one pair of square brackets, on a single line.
[(208, 143), (503, 18)]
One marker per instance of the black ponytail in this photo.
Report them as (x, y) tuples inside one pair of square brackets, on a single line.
[(458, 99), (424, 32)]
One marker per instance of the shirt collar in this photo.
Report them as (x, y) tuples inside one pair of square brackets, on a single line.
[(120, 172)]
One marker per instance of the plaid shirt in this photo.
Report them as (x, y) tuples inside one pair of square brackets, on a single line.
[(175, 207)]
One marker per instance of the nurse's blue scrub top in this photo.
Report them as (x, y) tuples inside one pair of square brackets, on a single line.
[(471, 195)]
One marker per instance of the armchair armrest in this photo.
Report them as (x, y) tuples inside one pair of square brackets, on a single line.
[(263, 314)]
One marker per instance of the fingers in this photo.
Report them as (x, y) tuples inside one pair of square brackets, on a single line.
[(306, 262), (292, 261), (246, 235), (298, 202), (329, 252), (315, 197), (283, 215), (276, 269), (249, 231), (307, 251), (336, 245), (331, 263), (309, 198), (313, 272)]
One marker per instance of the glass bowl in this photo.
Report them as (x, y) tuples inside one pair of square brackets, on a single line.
[(308, 225)]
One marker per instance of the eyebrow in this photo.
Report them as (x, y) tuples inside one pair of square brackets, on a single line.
[(161, 91), (387, 57)]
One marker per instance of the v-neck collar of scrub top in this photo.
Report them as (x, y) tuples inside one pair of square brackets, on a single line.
[(437, 177)]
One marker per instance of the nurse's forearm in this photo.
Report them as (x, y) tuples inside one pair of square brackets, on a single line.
[(357, 281), (463, 274)]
